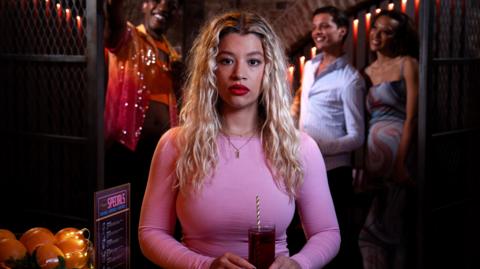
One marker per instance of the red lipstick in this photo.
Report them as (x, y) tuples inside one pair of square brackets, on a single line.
[(238, 90)]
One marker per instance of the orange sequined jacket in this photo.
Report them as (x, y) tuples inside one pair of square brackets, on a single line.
[(137, 75)]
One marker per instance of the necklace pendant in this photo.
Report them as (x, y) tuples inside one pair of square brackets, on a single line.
[(237, 154)]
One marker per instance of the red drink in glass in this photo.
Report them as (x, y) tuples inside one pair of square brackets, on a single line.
[(261, 246)]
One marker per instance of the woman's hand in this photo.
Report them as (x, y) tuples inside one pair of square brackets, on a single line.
[(401, 175), (283, 262), (230, 260)]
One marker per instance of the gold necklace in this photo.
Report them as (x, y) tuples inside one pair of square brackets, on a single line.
[(237, 149)]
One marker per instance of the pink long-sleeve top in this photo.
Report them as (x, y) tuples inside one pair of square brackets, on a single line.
[(216, 220)]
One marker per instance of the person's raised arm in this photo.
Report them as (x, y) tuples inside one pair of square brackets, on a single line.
[(115, 23)]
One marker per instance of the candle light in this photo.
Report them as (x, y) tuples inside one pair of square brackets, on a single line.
[(355, 30), (291, 71), (302, 63), (391, 6), (79, 25), (47, 8), (313, 52), (68, 19), (79, 22), (68, 15), (35, 9), (368, 18), (59, 10), (417, 6), (355, 39), (404, 6), (378, 10)]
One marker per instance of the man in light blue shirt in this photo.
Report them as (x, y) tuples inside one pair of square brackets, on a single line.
[(332, 113), (332, 109)]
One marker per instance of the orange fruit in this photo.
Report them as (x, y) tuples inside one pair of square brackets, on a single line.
[(11, 249), (75, 250), (4, 233), (26, 235), (36, 237), (68, 232), (47, 256)]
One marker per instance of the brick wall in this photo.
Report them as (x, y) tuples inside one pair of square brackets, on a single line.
[(290, 18)]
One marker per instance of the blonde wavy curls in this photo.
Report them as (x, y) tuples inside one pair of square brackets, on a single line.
[(200, 118)]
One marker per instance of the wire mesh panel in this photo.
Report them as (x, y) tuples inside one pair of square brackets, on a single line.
[(46, 115), (49, 98), (455, 51), (453, 97), (43, 27), (451, 128)]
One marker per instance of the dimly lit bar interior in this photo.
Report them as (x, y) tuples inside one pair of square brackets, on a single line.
[(73, 184)]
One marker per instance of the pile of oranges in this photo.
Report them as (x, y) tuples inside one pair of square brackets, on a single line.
[(39, 247)]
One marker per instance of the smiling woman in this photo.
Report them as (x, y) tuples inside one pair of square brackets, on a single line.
[(392, 106), (236, 142)]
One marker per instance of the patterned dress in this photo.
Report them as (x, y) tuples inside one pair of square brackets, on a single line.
[(382, 239), (386, 104)]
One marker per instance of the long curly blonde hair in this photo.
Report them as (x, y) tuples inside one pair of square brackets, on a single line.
[(200, 117)]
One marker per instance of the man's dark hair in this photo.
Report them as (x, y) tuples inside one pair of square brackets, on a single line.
[(339, 17)]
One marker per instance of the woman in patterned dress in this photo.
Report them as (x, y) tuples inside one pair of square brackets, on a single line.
[(392, 105)]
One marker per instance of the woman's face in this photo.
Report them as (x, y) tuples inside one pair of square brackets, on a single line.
[(240, 67), (382, 34)]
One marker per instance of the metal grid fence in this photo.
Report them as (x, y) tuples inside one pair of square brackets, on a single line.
[(45, 110), (449, 133), (43, 27)]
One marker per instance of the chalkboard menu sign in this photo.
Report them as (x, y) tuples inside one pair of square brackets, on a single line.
[(112, 228)]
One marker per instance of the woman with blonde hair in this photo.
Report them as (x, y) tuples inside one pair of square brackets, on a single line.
[(236, 141)]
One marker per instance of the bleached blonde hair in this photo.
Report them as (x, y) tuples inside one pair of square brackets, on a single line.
[(200, 117)]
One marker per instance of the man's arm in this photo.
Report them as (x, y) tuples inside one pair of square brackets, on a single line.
[(354, 108), (353, 99), (115, 23)]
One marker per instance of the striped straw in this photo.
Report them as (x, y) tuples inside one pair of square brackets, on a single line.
[(258, 212)]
